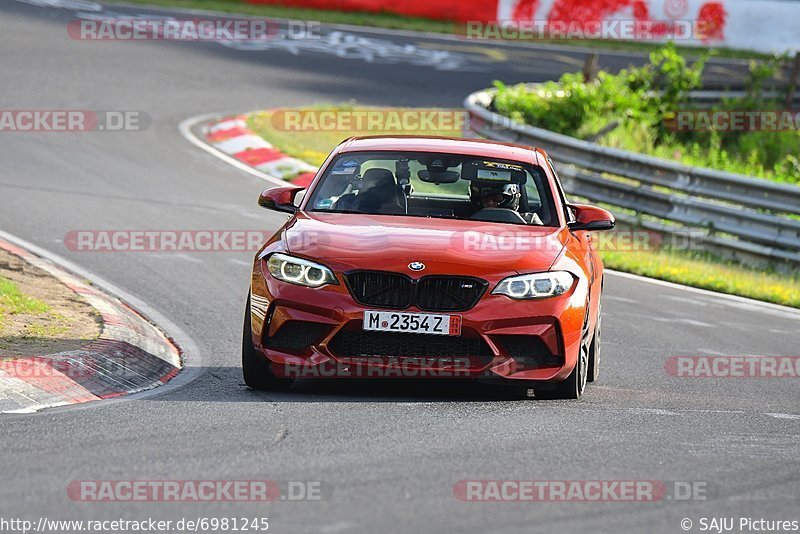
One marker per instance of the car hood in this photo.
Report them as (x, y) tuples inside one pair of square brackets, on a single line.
[(444, 246)]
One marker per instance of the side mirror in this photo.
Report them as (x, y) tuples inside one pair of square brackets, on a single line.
[(280, 199), (591, 218)]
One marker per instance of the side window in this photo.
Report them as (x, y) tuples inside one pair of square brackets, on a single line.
[(533, 194), (562, 197)]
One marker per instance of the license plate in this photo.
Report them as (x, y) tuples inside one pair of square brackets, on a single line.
[(413, 323)]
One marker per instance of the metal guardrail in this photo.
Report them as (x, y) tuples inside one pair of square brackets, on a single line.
[(738, 214)]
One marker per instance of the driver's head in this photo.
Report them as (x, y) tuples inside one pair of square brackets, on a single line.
[(495, 195), (379, 183)]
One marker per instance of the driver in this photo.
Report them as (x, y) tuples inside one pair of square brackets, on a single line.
[(500, 195), (495, 195)]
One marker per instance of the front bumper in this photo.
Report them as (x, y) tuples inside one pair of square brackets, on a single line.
[(308, 332)]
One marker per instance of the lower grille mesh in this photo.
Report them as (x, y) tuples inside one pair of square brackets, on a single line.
[(354, 344)]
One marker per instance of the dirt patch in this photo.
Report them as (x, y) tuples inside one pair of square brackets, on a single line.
[(38, 314)]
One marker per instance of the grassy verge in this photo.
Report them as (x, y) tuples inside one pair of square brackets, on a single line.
[(38, 314), (692, 269), (400, 22), (13, 301), (16, 305), (707, 272)]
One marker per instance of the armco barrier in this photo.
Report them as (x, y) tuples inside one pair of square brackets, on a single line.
[(743, 216)]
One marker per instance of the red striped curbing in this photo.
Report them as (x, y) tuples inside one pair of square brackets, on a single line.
[(131, 355), (231, 136)]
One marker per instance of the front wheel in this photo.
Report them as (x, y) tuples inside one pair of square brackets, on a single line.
[(256, 369), (575, 384)]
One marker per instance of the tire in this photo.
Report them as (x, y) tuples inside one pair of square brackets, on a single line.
[(594, 350), (256, 368), (575, 384)]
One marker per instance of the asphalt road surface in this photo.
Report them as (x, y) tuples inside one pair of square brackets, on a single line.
[(387, 455)]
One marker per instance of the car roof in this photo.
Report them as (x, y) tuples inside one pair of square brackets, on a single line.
[(449, 145)]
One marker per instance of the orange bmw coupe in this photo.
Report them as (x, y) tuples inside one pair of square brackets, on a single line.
[(436, 257)]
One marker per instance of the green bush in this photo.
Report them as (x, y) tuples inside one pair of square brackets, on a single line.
[(631, 110)]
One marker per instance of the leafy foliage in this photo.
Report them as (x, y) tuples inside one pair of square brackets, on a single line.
[(633, 109)]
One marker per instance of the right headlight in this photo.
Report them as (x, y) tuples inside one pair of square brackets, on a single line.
[(299, 271), (535, 286)]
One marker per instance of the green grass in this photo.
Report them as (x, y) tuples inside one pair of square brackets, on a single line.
[(14, 302), (704, 271), (40, 331), (400, 22), (695, 269)]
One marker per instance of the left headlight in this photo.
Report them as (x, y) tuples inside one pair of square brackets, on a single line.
[(299, 271), (535, 286)]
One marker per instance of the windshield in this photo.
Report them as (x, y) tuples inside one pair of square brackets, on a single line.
[(435, 185)]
